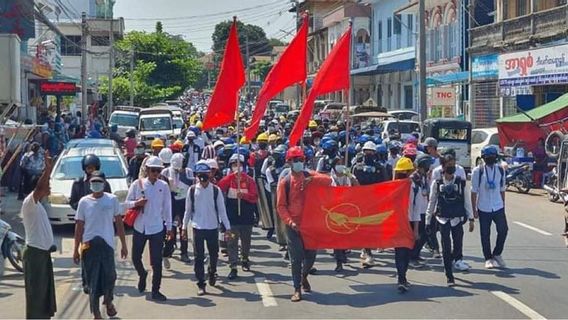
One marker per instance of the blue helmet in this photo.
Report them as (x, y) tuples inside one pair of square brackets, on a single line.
[(364, 138), (489, 150), (325, 140), (227, 141), (329, 145), (377, 140), (201, 167), (195, 129), (332, 135), (382, 149), (244, 151), (309, 153), (342, 135), (351, 149)]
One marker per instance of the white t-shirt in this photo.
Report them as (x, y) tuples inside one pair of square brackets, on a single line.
[(36, 223), (98, 215)]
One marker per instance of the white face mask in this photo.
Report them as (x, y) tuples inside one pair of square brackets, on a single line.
[(340, 169), (97, 186), (236, 169), (297, 166)]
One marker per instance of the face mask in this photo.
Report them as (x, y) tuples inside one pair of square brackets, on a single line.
[(246, 146), (317, 142), (139, 151), (97, 186), (450, 170), (490, 160), (340, 168), (262, 145), (203, 177), (236, 169), (297, 166)]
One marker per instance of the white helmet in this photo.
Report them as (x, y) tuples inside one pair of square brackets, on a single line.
[(191, 134), (212, 163), (154, 162), (218, 143), (370, 145), (166, 155), (177, 161), (237, 157)]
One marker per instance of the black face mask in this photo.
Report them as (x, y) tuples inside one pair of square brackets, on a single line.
[(203, 177), (490, 160), (450, 170), (263, 145)]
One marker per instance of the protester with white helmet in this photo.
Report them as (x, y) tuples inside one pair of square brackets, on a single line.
[(166, 156)]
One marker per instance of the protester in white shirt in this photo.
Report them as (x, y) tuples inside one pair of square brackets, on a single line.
[(38, 267), (205, 207), (488, 199), (152, 196), (94, 234)]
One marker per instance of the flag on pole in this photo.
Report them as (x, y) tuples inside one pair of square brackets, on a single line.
[(355, 217), (290, 69), (223, 104), (332, 76)]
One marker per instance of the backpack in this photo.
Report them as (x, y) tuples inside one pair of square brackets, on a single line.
[(451, 207), (215, 196), (482, 171)]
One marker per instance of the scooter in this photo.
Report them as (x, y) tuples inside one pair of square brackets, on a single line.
[(11, 247), (518, 176), (551, 187)]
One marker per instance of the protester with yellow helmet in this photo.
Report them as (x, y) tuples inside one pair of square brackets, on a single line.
[(157, 146), (262, 138), (404, 167)]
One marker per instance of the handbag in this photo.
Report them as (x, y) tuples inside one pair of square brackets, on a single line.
[(132, 213)]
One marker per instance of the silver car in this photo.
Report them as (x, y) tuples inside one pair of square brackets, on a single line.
[(68, 168)]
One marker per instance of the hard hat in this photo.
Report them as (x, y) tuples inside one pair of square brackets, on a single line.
[(273, 138), (202, 167), (282, 119), (370, 145), (166, 155), (231, 128), (281, 149), (489, 150), (404, 164), (154, 162), (236, 157), (382, 149), (295, 152), (364, 138), (91, 160), (244, 140), (218, 143), (212, 163), (328, 144), (177, 161), (177, 146), (423, 161), (157, 143), (191, 134), (263, 137), (313, 124)]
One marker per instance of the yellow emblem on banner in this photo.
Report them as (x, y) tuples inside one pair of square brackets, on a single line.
[(346, 218)]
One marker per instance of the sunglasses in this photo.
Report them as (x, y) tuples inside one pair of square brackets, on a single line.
[(155, 170)]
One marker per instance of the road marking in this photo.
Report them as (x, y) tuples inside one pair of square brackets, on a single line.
[(265, 292), (533, 228), (523, 308)]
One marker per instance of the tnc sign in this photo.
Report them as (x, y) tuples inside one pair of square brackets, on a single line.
[(443, 96)]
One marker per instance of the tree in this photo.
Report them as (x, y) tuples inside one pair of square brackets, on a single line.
[(258, 43), (261, 69), (276, 42)]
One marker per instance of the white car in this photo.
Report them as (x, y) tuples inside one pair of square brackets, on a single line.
[(124, 119), (479, 139), (68, 168), (404, 127)]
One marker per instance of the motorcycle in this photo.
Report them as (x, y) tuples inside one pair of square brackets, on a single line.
[(551, 187), (11, 247), (519, 176)]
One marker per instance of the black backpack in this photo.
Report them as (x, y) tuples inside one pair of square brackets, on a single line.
[(451, 205)]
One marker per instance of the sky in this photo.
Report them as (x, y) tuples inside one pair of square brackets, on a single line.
[(196, 19)]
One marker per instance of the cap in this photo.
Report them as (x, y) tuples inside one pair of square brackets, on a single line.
[(431, 142), (97, 176), (370, 145)]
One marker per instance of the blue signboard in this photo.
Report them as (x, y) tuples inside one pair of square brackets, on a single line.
[(483, 67), (17, 17)]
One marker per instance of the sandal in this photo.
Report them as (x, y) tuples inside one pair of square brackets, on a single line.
[(111, 310)]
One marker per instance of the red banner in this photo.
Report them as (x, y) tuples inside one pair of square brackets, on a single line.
[(373, 216)]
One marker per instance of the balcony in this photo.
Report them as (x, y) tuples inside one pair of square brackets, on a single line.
[(536, 27)]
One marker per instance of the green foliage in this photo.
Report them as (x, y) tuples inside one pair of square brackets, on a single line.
[(258, 43), (261, 69), (276, 42)]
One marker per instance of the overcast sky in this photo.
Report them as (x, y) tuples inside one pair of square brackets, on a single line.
[(196, 19)]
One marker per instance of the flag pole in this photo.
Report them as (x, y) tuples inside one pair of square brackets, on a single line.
[(238, 140), (347, 98)]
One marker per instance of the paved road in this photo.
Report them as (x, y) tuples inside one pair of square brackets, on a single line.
[(534, 286)]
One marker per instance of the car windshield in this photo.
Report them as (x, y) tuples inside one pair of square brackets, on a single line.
[(494, 139), (404, 127), (155, 123), (452, 134), (125, 120), (178, 123), (70, 168), (282, 108)]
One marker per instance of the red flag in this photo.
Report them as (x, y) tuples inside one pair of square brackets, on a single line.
[(223, 104), (372, 216), (290, 69), (332, 76)]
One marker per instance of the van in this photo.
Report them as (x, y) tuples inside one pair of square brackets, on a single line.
[(124, 118), (156, 122), (405, 128)]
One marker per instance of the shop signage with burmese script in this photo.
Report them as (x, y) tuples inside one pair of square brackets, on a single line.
[(58, 88)]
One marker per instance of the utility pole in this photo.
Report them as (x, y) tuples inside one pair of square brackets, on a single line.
[(248, 68), (110, 67), (131, 76), (84, 32), (422, 60)]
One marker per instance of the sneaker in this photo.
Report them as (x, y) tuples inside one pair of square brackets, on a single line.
[(313, 271), (201, 291), (437, 254), (157, 296), (490, 264), (566, 240), (142, 282), (461, 265), (246, 265), (420, 259), (184, 257), (232, 275), (368, 262), (212, 279), (403, 287), (500, 263), (167, 264), (451, 282), (282, 248), (416, 264)]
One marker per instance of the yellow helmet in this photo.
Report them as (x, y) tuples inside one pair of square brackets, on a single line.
[(404, 164), (231, 128), (313, 124), (244, 140), (282, 119), (263, 137), (157, 143), (199, 124), (273, 138)]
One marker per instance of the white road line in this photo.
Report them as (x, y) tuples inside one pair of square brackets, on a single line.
[(523, 308), (533, 228), (265, 292)]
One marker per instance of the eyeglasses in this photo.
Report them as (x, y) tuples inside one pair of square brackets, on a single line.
[(155, 170)]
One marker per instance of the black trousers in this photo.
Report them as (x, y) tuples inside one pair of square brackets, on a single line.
[(200, 237), (451, 234), (485, 221), (156, 246), (401, 260), (421, 241)]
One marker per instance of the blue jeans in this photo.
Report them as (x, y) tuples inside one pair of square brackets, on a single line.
[(302, 260), (485, 220)]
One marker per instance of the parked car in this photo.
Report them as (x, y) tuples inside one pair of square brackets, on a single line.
[(68, 168), (404, 115), (479, 139)]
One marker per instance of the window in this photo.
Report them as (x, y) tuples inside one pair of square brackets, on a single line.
[(71, 46), (100, 41), (397, 24), (522, 7), (409, 30), (125, 120), (380, 35), (451, 40), (438, 43), (408, 96), (389, 33), (478, 137)]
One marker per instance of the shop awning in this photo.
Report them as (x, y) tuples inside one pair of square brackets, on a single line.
[(538, 113), (385, 68), (452, 78)]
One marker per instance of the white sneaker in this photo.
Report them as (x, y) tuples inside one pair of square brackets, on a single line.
[(363, 255), (500, 263), (490, 264), (167, 264), (369, 261), (461, 265)]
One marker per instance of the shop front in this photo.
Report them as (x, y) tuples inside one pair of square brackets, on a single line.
[(485, 103)]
